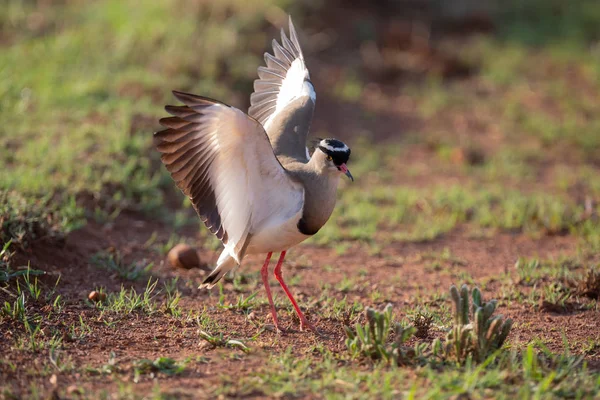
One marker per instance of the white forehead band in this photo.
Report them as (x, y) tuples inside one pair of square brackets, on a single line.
[(331, 148)]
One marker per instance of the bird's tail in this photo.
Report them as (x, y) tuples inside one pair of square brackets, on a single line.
[(225, 264)]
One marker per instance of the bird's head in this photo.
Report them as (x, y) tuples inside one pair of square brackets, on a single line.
[(333, 154)]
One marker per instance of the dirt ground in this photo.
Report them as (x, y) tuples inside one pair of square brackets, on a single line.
[(399, 272), (402, 273)]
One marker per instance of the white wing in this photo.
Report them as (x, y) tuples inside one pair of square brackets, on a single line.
[(223, 161), (275, 100)]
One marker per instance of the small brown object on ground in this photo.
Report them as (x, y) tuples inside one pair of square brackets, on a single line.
[(183, 256), (467, 155), (96, 296)]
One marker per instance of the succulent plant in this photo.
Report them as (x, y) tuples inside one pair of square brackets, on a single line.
[(476, 332), (372, 340), (400, 353)]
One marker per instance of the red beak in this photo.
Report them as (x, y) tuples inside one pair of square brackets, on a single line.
[(346, 171)]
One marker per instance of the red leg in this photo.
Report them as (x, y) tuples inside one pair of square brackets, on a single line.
[(265, 277), (303, 321)]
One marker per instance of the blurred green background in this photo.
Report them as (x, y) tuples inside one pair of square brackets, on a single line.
[(479, 99)]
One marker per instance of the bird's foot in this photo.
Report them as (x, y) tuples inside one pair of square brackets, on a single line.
[(275, 328), (307, 326), (279, 330)]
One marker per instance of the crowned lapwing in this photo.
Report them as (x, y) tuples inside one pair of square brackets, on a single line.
[(250, 176)]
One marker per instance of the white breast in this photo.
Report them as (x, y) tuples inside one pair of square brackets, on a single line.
[(277, 236)]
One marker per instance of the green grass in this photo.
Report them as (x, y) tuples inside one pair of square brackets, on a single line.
[(78, 119), (243, 304), (528, 374), (24, 219), (104, 79), (385, 214), (113, 263), (532, 271), (219, 340), (512, 149), (163, 365), (129, 300), (550, 22), (533, 372)]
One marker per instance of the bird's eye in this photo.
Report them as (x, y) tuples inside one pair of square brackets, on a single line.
[(329, 158)]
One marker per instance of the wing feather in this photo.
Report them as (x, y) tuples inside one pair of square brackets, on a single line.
[(264, 109), (222, 160), (284, 93), (294, 38), (289, 46), (264, 72), (274, 63), (266, 85), (282, 53)]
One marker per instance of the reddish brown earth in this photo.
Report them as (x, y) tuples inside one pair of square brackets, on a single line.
[(400, 272)]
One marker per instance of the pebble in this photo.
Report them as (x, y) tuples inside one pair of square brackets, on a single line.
[(96, 296), (183, 256)]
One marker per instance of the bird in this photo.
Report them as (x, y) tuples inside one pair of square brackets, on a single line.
[(250, 177)]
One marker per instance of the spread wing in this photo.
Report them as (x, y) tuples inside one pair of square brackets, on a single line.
[(284, 98), (222, 160)]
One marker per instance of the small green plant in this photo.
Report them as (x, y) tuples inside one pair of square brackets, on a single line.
[(528, 270), (113, 262), (340, 310), (244, 304), (220, 341), (372, 340), (555, 298), (127, 301), (203, 320), (346, 285), (163, 248), (58, 360), (106, 369), (5, 256), (476, 333), (164, 365), (17, 310), (173, 297), (34, 333), (32, 287), (81, 331), (6, 274)]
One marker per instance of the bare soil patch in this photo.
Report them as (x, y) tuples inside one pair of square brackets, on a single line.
[(403, 273)]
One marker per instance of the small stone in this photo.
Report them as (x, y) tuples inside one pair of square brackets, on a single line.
[(183, 256), (96, 296)]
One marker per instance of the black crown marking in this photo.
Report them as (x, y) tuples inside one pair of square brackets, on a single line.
[(336, 149)]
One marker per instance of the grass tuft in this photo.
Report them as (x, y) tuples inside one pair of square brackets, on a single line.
[(24, 219), (113, 262)]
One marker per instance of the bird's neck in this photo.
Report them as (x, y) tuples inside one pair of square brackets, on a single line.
[(319, 200)]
